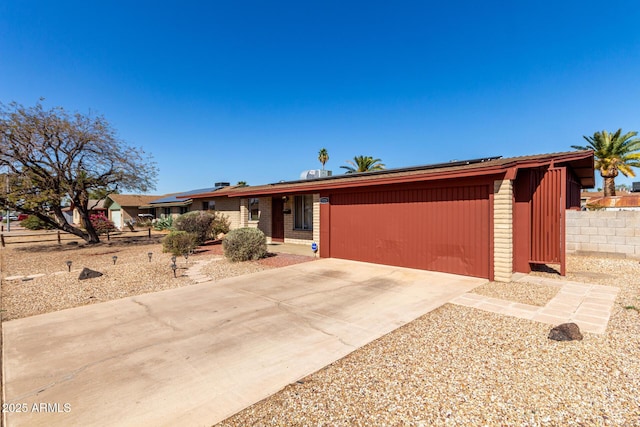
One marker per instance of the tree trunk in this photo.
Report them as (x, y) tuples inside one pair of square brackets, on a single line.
[(91, 236), (609, 186)]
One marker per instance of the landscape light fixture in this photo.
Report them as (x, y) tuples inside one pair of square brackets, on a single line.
[(173, 259), (186, 257), (114, 258), (69, 266), (174, 267), (150, 254)]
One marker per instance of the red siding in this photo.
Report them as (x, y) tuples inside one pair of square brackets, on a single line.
[(548, 207), (441, 229)]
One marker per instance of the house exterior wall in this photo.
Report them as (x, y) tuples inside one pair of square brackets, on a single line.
[(175, 211), (265, 221), (226, 206), (603, 233), (264, 217), (503, 230)]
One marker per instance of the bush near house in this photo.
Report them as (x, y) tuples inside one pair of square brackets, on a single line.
[(101, 223), (179, 242), (244, 244), (34, 223), (205, 224)]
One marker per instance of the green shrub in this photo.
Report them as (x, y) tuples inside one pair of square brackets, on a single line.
[(220, 224), (34, 223), (245, 244), (205, 224), (163, 223), (179, 242)]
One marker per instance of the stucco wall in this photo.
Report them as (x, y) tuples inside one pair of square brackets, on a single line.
[(608, 233)]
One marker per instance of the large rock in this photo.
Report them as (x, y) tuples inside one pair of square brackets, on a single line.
[(565, 332), (87, 273)]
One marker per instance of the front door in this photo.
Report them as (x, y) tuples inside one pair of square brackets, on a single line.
[(277, 219)]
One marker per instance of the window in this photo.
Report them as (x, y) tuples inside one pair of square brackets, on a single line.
[(209, 205), (166, 212), (303, 212), (183, 210), (254, 212)]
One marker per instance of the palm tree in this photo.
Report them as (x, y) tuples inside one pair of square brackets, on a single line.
[(613, 153), (323, 156), (363, 164)]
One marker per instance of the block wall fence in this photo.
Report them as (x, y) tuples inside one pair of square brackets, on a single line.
[(603, 233)]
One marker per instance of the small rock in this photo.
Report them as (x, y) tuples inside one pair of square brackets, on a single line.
[(565, 332), (87, 273)]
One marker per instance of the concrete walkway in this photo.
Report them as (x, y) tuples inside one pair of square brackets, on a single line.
[(195, 355), (587, 305)]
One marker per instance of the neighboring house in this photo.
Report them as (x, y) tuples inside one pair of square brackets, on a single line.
[(126, 207), (620, 202), (67, 212), (587, 196), (176, 204), (484, 217), (95, 207)]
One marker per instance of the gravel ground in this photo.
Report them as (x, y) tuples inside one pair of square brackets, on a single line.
[(523, 293), (460, 366), (131, 275)]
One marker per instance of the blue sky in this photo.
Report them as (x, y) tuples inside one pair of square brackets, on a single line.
[(251, 90)]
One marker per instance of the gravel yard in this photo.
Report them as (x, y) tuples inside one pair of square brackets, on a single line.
[(51, 287), (461, 366), (523, 293)]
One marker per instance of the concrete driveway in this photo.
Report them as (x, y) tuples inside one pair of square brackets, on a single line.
[(196, 355)]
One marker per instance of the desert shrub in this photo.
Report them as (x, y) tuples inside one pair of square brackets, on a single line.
[(101, 223), (163, 223), (205, 224), (179, 242), (243, 244), (220, 224), (34, 223)]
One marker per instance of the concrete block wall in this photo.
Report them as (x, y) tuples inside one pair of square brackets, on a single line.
[(503, 230), (604, 233)]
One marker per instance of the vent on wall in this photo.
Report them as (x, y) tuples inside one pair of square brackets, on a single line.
[(315, 173), (635, 187)]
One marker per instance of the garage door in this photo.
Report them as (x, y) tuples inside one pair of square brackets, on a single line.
[(439, 229), (116, 217)]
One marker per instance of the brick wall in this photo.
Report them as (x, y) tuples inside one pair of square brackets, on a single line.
[(503, 230), (227, 206), (264, 222), (604, 233)]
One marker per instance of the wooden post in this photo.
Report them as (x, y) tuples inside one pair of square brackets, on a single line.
[(149, 232), (2, 239), (108, 236), (59, 242)]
